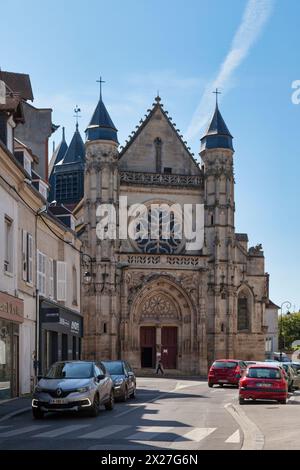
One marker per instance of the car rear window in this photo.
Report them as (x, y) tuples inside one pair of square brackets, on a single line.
[(263, 373), (224, 364)]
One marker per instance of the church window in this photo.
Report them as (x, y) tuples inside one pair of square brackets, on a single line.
[(158, 145), (243, 321), (159, 224), (167, 170), (104, 328), (211, 219)]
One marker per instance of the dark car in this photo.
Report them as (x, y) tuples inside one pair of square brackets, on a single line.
[(73, 386), (123, 377), (226, 372)]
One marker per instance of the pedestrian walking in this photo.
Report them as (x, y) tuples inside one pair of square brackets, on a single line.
[(159, 367)]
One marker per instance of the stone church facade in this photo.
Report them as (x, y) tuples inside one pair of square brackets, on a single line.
[(148, 301)]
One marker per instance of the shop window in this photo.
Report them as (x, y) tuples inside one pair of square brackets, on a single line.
[(64, 347), (74, 349)]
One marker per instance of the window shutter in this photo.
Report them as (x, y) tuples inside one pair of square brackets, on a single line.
[(61, 273), (50, 278), (24, 255), (29, 258), (41, 273)]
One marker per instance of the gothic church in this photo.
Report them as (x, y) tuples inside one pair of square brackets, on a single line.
[(148, 300)]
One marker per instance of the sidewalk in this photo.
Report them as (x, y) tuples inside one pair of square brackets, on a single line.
[(13, 407)]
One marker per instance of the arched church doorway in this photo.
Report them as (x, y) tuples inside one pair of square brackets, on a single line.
[(148, 346), (169, 347)]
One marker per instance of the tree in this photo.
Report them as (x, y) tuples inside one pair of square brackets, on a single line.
[(289, 326)]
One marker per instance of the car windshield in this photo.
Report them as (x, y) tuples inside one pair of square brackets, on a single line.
[(70, 370), (263, 373), (224, 364), (114, 367)]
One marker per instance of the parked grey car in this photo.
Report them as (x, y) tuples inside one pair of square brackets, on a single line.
[(73, 386), (123, 377)]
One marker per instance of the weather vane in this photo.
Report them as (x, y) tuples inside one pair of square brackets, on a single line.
[(77, 111), (217, 92), (100, 85)]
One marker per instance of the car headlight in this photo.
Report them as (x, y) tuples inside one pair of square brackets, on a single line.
[(83, 389), (118, 381)]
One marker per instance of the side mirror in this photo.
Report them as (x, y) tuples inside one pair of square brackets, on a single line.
[(131, 374), (298, 372), (100, 377)]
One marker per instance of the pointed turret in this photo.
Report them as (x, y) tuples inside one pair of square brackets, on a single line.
[(101, 126), (59, 152), (217, 134), (76, 151)]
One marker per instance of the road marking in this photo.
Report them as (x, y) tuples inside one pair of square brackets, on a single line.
[(61, 431), (18, 431), (146, 433), (253, 437), (234, 438), (135, 407), (195, 435), (104, 432), (181, 385)]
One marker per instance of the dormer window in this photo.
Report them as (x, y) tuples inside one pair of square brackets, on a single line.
[(10, 134), (27, 162)]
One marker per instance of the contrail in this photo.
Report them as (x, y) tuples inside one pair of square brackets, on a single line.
[(254, 18)]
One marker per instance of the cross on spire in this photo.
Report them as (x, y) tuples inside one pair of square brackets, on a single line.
[(100, 86), (77, 111), (217, 92)]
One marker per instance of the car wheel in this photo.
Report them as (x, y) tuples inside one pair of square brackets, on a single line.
[(95, 406), (241, 401), (37, 413), (125, 394), (282, 402), (111, 402), (210, 385), (133, 393)]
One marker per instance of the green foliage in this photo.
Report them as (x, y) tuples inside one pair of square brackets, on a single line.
[(289, 326)]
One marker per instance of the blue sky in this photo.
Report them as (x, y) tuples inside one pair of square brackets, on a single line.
[(176, 47)]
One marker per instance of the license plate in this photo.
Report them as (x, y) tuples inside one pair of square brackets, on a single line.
[(264, 385), (57, 401), (223, 381)]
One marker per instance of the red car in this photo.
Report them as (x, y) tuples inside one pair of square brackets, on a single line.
[(226, 371), (263, 382)]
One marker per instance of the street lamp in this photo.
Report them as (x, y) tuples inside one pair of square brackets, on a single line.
[(288, 305)]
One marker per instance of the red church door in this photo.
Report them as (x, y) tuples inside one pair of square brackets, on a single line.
[(148, 346), (169, 346)]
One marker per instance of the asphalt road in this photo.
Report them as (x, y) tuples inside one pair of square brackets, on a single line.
[(167, 414)]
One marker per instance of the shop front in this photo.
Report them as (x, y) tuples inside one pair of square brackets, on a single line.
[(11, 316), (61, 331)]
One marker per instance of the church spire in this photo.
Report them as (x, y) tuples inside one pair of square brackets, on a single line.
[(101, 126), (217, 134)]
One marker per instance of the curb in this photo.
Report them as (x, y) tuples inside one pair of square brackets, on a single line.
[(253, 437), (15, 413)]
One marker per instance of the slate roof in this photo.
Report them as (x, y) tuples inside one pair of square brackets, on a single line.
[(18, 82), (76, 152), (217, 134), (59, 152), (101, 126)]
